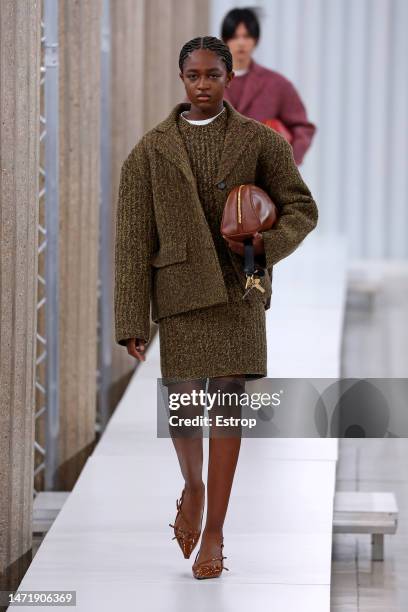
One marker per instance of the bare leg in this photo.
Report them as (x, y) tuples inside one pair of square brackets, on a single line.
[(189, 448), (224, 447)]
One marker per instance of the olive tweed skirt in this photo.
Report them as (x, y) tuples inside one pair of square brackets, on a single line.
[(221, 340)]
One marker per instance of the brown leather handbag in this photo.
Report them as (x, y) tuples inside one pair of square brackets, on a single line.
[(248, 211)]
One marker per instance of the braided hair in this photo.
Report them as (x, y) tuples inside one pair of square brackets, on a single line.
[(207, 42)]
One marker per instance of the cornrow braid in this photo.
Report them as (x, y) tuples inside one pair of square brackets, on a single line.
[(212, 43)]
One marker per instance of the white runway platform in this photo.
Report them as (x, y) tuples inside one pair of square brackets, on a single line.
[(111, 542)]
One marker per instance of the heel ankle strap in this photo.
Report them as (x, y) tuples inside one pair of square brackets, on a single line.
[(179, 504)]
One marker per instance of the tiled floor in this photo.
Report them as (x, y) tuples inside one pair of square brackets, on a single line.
[(358, 584), (375, 345)]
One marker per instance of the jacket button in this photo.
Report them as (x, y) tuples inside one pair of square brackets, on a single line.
[(221, 185)]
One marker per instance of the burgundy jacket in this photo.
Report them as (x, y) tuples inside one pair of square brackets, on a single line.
[(267, 94)]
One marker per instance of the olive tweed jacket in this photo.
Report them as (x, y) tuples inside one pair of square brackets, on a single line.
[(165, 258)]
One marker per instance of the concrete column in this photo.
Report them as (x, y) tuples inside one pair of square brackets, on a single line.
[(168, 26), (127, 125), (146, 40), (19, 153), (79, 74)]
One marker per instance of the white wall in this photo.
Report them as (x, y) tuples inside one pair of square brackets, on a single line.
[(349, 61)]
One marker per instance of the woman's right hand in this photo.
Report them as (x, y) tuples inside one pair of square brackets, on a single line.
[(136, 348)]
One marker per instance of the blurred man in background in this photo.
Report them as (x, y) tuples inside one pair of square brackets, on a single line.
[(261, 93)]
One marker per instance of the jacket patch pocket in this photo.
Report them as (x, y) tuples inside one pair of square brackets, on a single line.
[(170, 254)]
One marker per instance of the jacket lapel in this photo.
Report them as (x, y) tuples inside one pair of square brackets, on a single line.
[(240, 131), (253, 86), (170, 143)]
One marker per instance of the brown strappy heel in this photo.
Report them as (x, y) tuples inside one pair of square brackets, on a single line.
[(186, 538), (205, 569)]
